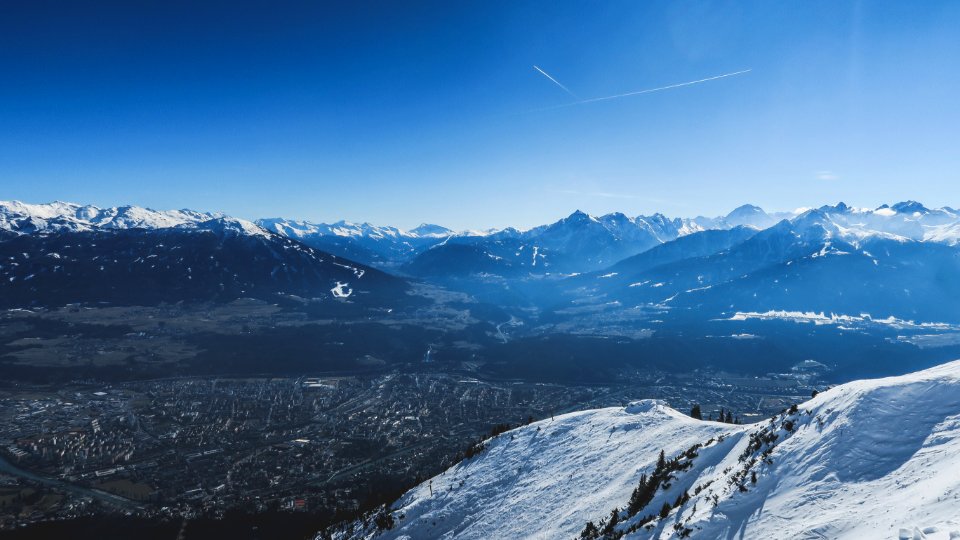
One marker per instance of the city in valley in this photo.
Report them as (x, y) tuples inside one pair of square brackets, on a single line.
[(618, 270), (324, 448)]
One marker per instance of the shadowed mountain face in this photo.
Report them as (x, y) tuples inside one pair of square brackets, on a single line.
[(215, 262)]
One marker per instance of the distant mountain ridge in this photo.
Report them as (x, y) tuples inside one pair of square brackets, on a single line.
[(578, 243), (363, 242), (582, 243), (21, 217), (831, 259)]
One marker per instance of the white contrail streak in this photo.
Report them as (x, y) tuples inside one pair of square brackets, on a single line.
[(647, 91), (556, 82)]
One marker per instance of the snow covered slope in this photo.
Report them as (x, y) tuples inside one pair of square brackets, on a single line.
[(868, 459), (21, 217)]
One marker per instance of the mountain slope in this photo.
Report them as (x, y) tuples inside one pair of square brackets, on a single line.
[(547, 479), (701, 244), (216, 260), (868, 459)]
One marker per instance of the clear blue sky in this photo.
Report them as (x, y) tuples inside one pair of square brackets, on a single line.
[(403, 112)]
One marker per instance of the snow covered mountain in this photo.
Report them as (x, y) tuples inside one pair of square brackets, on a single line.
[(577, 243), (362, 242), (584, 243), (21, 217), (907, 219), (900, 259), (829, 260), (867, 459)]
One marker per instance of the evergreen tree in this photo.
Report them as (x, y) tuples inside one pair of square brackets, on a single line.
[(695, 412), (590, 531), (664, 510), (637, 497), (611, 523), (661, 462)]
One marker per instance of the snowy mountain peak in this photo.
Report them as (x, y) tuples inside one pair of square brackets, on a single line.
[(750, 215), (746, 209), (430, 230), (910, 207), (839, 208), (578, 216)]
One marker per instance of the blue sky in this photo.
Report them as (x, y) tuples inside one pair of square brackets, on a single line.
[(402, 112)]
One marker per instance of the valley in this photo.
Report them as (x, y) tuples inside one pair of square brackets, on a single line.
[(200, 449), (192, 372)]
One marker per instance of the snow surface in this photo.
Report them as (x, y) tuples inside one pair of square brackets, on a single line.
[(341, 290), (868, 459), (60, 216), (571, 469), (820, 318), (23, 217), (347, 229)]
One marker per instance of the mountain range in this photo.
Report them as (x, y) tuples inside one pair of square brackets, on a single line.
[(866, 459), (901, 260), (824, 260), (63, 253)]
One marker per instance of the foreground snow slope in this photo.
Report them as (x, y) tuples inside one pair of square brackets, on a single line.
[(868, 459), (548, 478), (863, 460)]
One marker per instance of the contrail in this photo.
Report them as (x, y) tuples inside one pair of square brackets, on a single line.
[(647, 91), (556, 82)]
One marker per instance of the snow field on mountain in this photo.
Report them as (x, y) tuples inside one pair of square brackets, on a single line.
[(868, 459), (545, 480)]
